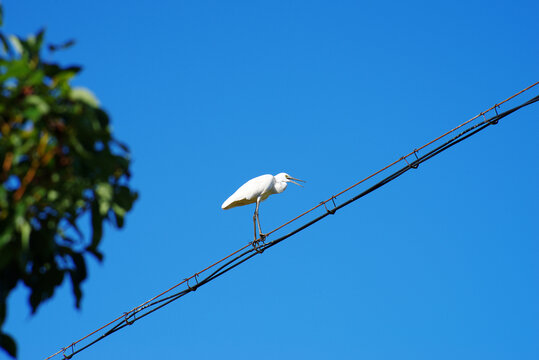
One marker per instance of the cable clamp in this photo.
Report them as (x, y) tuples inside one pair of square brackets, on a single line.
[(194, 288), (332, 211), (404, 158), (64, 352), (495, 121), (126, 318), (416, 160), (407, 163), (257, 247)]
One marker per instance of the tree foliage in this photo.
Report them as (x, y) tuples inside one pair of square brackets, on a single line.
[(58, 162)]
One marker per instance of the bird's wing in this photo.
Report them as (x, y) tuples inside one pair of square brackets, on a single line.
[(231, 203), (249, 192)]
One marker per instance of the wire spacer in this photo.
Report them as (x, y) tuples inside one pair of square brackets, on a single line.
[(404, 158), (332, 211), (494, 122), (64, 352), (410, 165), (126, 318), (194, 288), (256, 247), (416, 160)]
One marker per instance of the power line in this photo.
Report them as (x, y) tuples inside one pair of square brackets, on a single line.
[(247, 252)]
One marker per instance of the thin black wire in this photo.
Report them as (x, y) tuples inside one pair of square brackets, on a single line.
[(132, 317)]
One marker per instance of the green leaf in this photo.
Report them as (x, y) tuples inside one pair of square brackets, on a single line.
[(40, 105), (39, 39), (25, 235), (24, 229), (42, 281), (119, 210), (104, 207), (84, 95), (33, 43), (52, 195), (119, 214), (35, 78), (8, 344), (97, 225), (62, 46), (2, 311), (5, 44), (104, 191), (124, 197), (16, 43), (98, 255), (78, 274), (104, 196), (122, 146), (5, 237), (15, 69)]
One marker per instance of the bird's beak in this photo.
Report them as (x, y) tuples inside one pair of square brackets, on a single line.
[(291, 179)]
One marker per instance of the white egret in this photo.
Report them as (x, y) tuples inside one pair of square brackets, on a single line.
[(257, 190)]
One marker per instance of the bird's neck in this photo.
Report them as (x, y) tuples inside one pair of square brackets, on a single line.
[(280, 186)]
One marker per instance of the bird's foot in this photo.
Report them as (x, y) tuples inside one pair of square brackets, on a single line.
[(263, 237)]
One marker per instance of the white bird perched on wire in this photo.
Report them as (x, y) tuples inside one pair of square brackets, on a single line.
[(257, 190)]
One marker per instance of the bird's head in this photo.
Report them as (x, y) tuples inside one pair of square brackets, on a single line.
[(284, 177)]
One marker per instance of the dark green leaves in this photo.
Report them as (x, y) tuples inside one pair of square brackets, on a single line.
[(58, 162), (62, 46), (8, 344)]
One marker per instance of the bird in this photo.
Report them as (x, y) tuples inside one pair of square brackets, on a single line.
[(257, 190)]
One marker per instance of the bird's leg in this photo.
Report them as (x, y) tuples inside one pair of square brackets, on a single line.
[(255, 241), (254, 223), (262, 236)]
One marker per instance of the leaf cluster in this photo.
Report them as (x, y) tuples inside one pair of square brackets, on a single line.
[(58, 162)]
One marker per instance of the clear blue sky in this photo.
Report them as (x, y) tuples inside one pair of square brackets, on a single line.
[(440, 264)]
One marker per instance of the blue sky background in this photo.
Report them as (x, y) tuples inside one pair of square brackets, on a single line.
[(440, 264)]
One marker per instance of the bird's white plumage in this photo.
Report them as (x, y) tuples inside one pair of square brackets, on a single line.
[(257, 190), (248, 193)]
